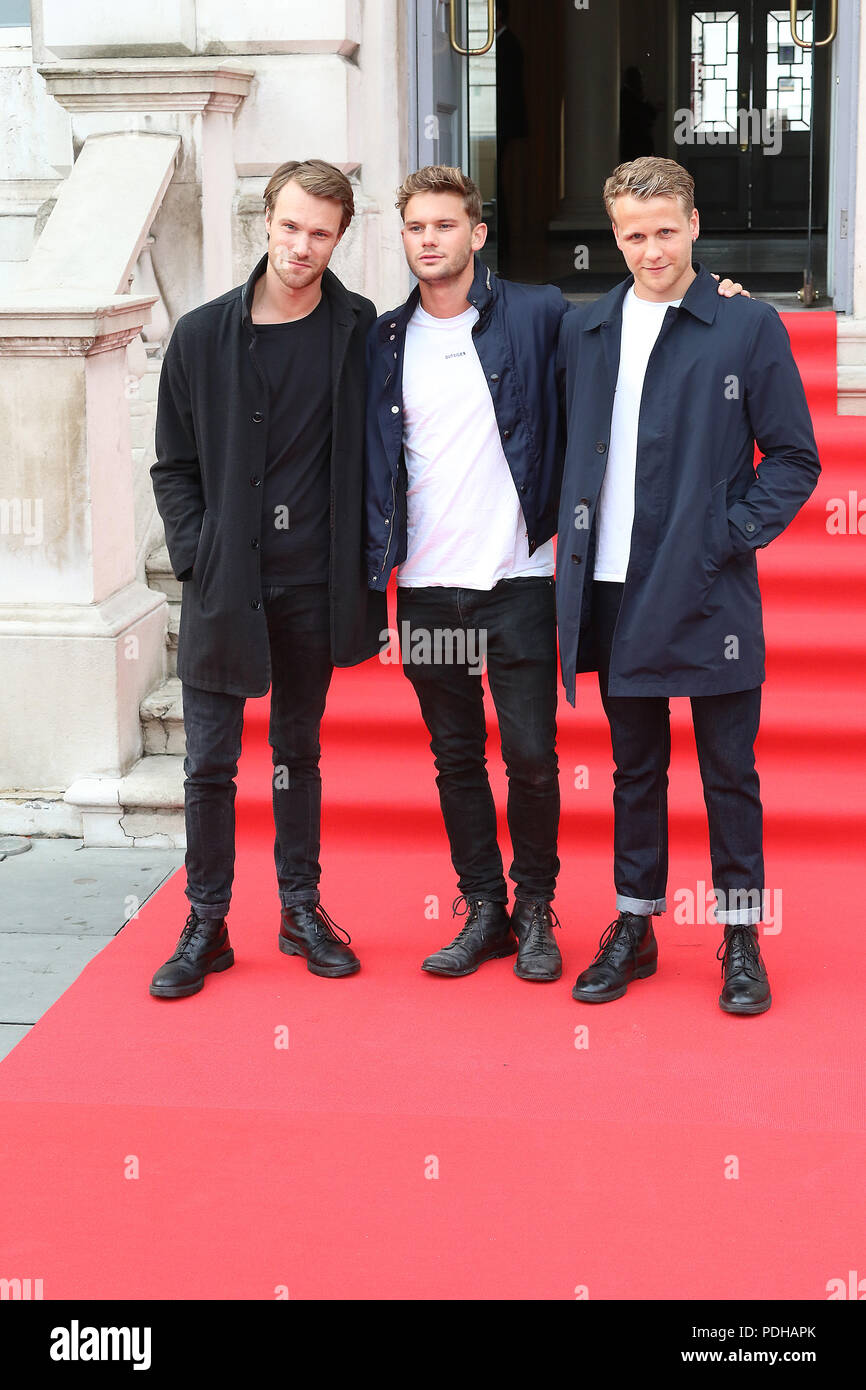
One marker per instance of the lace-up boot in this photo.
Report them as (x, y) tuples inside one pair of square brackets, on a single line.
[(627, 951), (485, 935), (746, 989), (307, 930), (538, 957), (202, 949)]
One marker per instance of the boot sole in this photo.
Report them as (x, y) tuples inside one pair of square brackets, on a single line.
[(458, 974), (183, 991), (330, 972), (643, 974), (538, 979), (746, 1008)]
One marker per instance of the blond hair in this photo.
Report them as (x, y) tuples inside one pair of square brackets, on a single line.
[(650, 177), (316, 177), (442, 178)]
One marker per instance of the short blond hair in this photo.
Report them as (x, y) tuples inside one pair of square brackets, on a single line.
[(316, 177), (650, 177), (442, 178)]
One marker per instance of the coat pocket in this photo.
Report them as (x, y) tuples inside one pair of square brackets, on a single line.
[(717, 537), (201, 565)]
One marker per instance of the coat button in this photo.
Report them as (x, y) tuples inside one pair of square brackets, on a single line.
[(254, 543), (255, 480), (494, 376), (391, 339), (584, 502), (523, 487), (506, 434), (600, 447), (750, 525), (395, 410), (255, 603), (258, 417), (576, 560)]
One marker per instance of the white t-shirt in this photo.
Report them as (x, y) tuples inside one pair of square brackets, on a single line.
[(465, 523), (641, 323)]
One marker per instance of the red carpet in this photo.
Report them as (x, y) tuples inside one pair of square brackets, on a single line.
[(607, 1166)]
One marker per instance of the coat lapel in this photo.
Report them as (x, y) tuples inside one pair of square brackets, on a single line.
[(605, 318), (343, 319)]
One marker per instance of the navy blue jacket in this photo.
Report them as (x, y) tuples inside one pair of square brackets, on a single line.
[(721, 377), (515, 338)]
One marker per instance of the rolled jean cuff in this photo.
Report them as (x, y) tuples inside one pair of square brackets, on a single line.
[(739, 917), (295, 899), (210, 912), (641, 907)]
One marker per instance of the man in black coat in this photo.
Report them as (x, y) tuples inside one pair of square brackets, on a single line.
[(259, 481), (668, 388)]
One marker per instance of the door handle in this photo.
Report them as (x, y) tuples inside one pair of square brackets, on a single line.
[(818, 43), (491, 30)]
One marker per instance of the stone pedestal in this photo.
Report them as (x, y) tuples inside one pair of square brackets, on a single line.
[(81, 641)]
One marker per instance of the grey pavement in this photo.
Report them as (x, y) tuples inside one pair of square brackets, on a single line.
[(60, 904)]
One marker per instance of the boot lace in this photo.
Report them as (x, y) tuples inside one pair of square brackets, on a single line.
[(611, 938), (190, 927), (740, 952), (326, 926), (469, 910), (536, 936)]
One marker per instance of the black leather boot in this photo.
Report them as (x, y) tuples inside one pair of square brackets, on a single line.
[(627, 951), (202, 949), (485, 935), (538, 956), (307, 930), (746, 989)]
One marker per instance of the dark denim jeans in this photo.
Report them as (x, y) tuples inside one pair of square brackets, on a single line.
[(726, 727), (515, 625), (299, 628)]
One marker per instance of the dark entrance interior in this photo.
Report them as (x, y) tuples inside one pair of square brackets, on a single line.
[(568, 92)]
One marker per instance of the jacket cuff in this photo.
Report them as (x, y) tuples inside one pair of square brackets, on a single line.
[(744, 531)]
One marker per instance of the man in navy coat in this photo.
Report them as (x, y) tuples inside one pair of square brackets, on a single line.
[(667, 388)]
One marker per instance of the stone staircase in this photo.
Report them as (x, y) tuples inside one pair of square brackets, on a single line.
[(145, 807), (152, 792)]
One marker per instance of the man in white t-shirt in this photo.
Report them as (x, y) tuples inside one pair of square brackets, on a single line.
[(464, 457), (461, 379)]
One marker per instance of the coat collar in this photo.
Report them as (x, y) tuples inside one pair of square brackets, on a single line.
[(344, 309), (481, 293), (701, 300)]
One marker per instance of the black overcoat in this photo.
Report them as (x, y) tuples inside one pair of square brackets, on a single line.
[(211, 442)]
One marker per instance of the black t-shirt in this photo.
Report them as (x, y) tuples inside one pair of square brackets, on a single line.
[(296, 361)]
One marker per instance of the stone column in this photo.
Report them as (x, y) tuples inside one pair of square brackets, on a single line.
[(591, 125)]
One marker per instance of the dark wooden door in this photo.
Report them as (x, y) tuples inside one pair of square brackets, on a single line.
[(742, 125)]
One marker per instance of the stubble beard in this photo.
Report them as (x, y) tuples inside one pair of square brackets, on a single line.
[(451, 269), (292, 277)]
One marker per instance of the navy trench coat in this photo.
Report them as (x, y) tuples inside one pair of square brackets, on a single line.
[(720, 379)]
